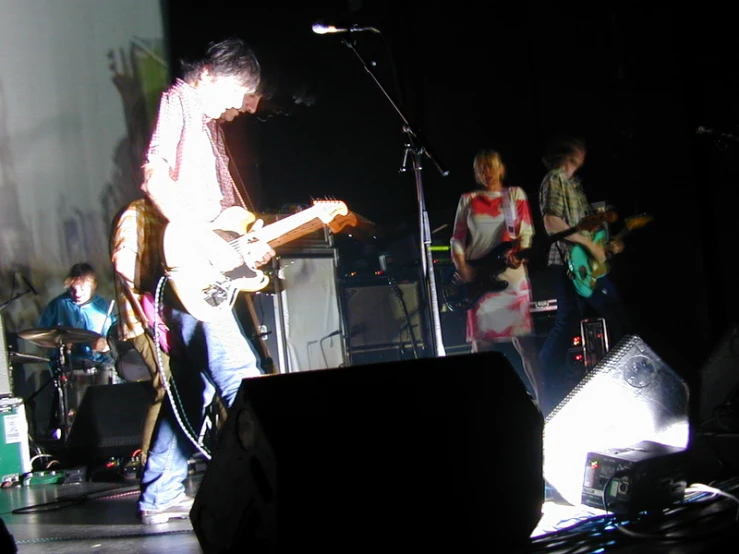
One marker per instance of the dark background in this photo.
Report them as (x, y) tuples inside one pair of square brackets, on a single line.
[(635, 82)]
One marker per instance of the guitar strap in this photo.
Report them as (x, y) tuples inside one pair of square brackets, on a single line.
[(509, 212), (133, 300), (145, 320)]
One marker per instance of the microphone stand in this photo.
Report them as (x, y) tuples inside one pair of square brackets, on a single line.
[(16, 297), (415, 150)]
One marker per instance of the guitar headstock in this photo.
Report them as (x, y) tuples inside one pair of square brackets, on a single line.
[(341, 221), (329, 209), (638, 221), (592, 222)]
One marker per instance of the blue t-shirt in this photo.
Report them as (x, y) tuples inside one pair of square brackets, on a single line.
[(91, 316)]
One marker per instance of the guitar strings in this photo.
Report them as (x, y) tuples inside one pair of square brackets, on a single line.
[(276, 226)]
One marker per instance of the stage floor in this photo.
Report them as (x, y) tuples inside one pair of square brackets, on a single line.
[(89, 517), (101, 517)]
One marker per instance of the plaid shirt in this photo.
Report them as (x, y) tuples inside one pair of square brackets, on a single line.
[(192, 146), (138, 228), (562, 197)]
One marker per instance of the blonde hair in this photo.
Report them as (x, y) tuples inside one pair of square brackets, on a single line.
[(488, 165)]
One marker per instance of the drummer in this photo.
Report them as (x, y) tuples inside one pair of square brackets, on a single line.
[(80, 307)]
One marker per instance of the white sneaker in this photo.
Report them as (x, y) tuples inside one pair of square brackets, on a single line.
[(178, 510)]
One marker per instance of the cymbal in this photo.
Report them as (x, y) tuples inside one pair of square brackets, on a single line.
[(53, 337), (24, 358)]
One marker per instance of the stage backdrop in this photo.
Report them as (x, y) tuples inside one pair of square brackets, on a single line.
[(79, 81)]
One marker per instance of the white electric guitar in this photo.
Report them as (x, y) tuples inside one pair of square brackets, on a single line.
[(191, 254)]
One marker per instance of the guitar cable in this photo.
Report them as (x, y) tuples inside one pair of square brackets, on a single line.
[(171, 390)]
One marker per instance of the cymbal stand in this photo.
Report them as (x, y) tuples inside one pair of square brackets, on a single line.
[(61, 386), (59, 377)]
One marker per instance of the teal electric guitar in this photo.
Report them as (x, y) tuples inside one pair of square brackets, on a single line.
[(586, 270)]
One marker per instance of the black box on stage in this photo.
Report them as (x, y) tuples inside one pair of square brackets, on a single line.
[(417, 454), (645, 476), (109, 422), (595, 344)]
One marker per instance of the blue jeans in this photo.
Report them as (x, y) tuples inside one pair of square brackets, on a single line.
[(217, 357), (605, 301)]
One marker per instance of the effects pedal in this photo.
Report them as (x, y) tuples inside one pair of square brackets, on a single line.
[(645, 476)]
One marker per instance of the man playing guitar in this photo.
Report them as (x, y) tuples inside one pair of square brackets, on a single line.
[(187, 179), (563, 205)]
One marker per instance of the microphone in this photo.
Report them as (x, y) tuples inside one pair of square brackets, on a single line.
[(29, 286), (321, 29)]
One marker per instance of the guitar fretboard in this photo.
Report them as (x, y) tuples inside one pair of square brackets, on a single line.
[(286, 230)]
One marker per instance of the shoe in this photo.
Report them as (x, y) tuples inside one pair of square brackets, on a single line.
[(178, 510)]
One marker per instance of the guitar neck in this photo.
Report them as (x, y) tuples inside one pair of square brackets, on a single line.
[(567, 232), (293, 234), (291, 228), (563, 234), (621, 234)]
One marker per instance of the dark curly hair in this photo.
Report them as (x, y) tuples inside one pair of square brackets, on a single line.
[(231, 57), (81, 272)]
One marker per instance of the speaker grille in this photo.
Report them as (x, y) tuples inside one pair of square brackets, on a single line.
[(376, 318)]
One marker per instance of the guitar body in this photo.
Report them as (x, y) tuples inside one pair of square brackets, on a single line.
[(209, 264), (461, 296), (584, 269), (189, 253)]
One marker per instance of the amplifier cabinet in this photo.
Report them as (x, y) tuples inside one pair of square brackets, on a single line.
[(308, 320), (375, 315)]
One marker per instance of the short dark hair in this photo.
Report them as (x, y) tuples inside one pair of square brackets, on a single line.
[(82, 271), (561, 147), (231, 57)]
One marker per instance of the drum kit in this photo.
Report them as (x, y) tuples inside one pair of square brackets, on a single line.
[(70, 382)]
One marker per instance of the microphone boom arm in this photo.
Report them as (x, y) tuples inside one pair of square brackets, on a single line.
[(407, 127), (417, 149)]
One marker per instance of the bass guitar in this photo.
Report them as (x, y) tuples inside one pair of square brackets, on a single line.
[(190, 252), (460, 295), (586, 270)]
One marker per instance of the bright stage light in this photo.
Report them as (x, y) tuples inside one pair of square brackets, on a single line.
[(630, 396)]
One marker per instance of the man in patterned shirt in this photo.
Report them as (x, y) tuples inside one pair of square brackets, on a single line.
[(136, 255), (563, 205), (186, 177), (135, 249)]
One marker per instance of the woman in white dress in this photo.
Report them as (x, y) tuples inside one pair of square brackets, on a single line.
[(486, 218)]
